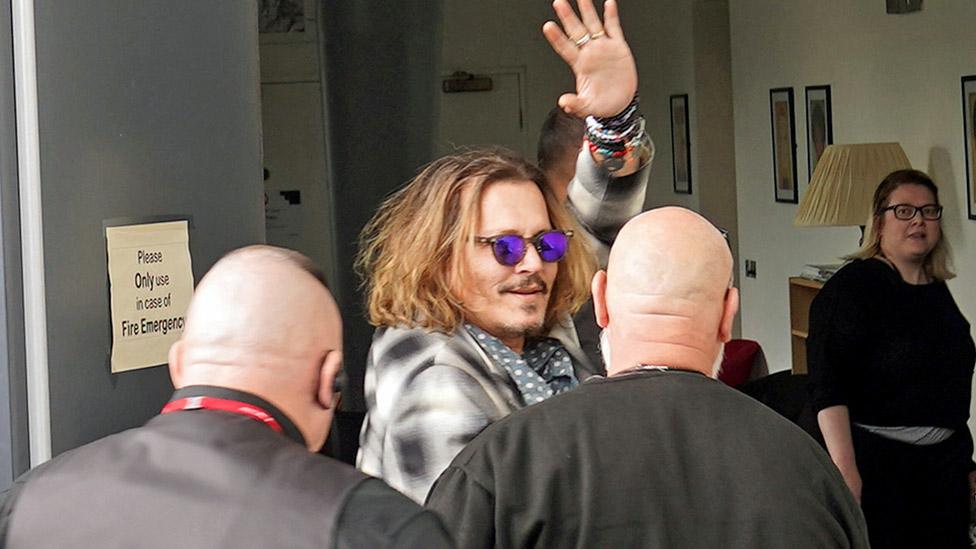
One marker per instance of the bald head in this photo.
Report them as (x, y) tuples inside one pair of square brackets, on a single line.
[(671, 252), (665, 297), (261, 305), (262, 321)]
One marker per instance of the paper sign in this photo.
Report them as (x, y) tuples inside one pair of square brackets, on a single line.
[(150, 284), (283, 218)]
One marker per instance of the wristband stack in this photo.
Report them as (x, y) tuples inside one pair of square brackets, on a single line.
[(615, 138)]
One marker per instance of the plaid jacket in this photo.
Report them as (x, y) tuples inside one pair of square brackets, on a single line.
[(428, 394)]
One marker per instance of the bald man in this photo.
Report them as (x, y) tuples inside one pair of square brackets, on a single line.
[(659, 453), (230, 461)]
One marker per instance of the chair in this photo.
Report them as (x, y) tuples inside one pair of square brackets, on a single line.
[(743, 361), (788, 395)]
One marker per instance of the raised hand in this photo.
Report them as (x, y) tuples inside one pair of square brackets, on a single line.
[(606, 76)]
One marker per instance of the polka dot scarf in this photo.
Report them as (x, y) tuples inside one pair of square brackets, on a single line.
[(545, 369)]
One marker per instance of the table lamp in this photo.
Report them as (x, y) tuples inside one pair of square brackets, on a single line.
[(843, 184)]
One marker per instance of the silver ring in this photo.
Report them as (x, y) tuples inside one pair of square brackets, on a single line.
[(599, 34), (583, 40)]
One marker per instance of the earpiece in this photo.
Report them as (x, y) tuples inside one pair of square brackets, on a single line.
[(328, 395), (340, 382)]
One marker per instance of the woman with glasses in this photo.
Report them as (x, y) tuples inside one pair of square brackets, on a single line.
[(891, 364)]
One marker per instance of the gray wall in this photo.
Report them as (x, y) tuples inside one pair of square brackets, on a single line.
[(381, 84), (145, 108), (715, 148)]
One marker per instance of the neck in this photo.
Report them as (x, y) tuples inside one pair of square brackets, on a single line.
[(668, 356), (510, 338), (516, 344), (673, 355), (282, 398), (912, 272), (655, 368), (559, 184)]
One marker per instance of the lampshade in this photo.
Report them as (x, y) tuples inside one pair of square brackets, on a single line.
[(844, 181)]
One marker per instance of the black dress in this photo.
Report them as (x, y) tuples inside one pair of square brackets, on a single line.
[(898, 354)]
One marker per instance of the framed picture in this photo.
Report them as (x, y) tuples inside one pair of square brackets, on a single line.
[(275, 16), (969, 125), (285, 22), (820, 125), (784, 144), (680, 144)]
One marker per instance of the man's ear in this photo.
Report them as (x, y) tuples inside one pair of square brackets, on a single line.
[(599, 289), (328, 395), (730, 307), (176, 364)]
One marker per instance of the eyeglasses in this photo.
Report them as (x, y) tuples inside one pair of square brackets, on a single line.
[(510, 249), (906, 212)]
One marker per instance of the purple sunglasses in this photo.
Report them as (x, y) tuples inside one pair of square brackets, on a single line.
[(510, 249)]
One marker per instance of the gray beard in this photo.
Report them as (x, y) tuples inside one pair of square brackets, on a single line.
[(605, 347), (717, 365)]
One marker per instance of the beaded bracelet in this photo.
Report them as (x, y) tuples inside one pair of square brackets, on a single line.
[(623, 119), (618, 145), (616, 137)]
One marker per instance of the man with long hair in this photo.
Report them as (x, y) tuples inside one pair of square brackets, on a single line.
[(474, 269)]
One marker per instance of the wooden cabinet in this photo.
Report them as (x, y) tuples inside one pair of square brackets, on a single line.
[(802, 292)]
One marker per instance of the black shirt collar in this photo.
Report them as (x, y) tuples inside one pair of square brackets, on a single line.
[(287, 426)]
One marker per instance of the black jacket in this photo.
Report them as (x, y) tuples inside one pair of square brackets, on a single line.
[(651, 459), (205, 478)]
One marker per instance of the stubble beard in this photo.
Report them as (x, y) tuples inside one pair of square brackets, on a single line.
[(535, 324), (525, 329)]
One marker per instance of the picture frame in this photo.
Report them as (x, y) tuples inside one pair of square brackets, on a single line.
[(969, 139), (286, 22), (281, 16), (680, 144), (820, 125), (783, 125)]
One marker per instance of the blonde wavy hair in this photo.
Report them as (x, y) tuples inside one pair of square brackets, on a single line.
[(938, 264), (411, 254)]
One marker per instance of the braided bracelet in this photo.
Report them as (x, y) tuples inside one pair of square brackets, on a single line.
[(623, 118), (616, 137)]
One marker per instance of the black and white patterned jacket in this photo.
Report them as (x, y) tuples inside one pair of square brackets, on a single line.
[(428, 395)]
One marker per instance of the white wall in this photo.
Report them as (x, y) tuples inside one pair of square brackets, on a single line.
[(893, 78)]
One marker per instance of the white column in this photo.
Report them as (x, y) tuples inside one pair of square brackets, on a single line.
[(31, 231)]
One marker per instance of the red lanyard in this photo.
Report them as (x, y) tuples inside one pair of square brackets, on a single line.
[(224, 405)]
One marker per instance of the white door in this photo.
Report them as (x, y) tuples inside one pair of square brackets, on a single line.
[(297, 199), (485, 117)]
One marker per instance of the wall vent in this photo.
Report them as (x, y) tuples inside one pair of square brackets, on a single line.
[(904, 6)]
